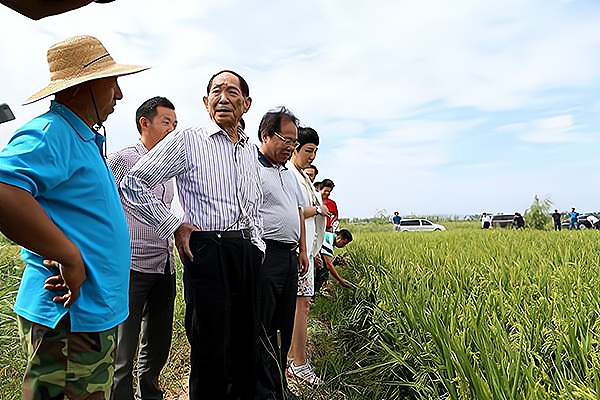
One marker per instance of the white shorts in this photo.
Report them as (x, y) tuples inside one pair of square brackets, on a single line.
[(306, 282)]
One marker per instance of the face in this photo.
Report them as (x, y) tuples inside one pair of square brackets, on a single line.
[(325, 192), (106, 93), (275, 148), (311, 173), (163, 123), (340, 242), (225, 102), (305, 156)]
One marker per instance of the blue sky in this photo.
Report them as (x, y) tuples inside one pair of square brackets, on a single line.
[(425, 107)]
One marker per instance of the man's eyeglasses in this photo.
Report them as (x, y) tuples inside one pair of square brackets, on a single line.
[(286, 141)]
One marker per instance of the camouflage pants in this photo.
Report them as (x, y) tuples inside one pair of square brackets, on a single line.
[(66, 365)]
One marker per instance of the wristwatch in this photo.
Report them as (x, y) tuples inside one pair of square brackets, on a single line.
[(319, 211)]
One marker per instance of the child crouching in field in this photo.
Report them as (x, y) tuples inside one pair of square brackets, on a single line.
[(339, 239)]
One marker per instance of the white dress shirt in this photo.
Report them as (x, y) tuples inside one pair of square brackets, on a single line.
[(217, 182)]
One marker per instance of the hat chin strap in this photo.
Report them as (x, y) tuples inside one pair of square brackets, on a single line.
[(98, 125)]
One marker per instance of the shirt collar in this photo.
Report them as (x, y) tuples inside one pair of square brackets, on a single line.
[(266, 163), (84, 131), (141, 149), (214, 129)]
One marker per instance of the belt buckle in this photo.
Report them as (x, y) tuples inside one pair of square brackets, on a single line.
[(245, 233)]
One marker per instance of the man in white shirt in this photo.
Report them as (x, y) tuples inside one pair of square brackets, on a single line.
[(282, 210), (219, 239)]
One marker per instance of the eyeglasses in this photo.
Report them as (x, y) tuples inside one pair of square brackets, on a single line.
[(287, 142)]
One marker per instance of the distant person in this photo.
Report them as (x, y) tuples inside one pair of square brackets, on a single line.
[(326, 187), (396, 220), (556, 220), (518, 221), (573, 215), (339, 240), (152, 276), (486, 221), (312, 172), (58, 200), (594, 221)]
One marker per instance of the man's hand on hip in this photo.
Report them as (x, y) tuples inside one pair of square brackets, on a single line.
[(182, 240), (70, 277)]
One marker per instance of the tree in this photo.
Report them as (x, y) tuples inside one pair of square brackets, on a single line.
[(537, 215)]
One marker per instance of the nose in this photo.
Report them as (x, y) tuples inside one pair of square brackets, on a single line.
[(118, 93), (223, 98)]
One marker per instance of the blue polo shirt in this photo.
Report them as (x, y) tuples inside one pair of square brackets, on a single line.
[(57, 158)]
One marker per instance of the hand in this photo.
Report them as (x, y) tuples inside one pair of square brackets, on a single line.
[(303, 264), (325, 211), (318, 262), (69, 278), (344, 283), (182, 240)]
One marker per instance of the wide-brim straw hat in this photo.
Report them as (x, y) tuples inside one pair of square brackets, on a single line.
[(77, 60)]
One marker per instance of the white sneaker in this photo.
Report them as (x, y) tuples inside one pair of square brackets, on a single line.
[(304, 372)]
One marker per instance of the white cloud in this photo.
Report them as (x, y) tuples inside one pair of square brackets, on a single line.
[(397, 89)]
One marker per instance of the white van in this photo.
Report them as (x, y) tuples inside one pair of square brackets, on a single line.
[(419, 224)]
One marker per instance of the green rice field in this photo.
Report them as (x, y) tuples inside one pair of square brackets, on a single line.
[(461, 314)]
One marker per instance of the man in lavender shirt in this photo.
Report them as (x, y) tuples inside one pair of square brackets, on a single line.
[(152, 275)]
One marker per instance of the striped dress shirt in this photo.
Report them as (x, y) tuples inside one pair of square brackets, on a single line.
[(217, 182), (149, 253)]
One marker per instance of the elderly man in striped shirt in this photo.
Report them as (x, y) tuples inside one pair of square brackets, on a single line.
[(152, 275), (219, 239), (286, 250)]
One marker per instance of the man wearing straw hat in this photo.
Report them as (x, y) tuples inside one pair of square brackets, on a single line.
[(59, 202)]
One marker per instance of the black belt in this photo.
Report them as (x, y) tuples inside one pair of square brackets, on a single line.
[(281, 245), (241, 234)]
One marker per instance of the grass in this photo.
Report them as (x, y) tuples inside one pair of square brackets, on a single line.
[(465, 314), (461, 314)]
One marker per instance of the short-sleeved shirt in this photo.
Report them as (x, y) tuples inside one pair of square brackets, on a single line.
[(57, 158), (327, 248), (556, 217), (332, 207), (282, 199), (573, 216)]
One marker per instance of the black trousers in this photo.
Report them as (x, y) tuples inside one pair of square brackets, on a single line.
[(277, 290), (220, 318)]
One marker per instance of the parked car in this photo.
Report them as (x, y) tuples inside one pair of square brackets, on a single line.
[(419, 224), (581, 221), (502, 220)]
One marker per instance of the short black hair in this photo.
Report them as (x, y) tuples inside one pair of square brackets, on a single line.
[(243, 84), (312, 166), (271, 121), (327, 183), (345, 234), (148, 109), (307, 135)]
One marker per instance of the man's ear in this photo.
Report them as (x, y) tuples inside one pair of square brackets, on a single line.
[(205, 100), (143, 122), (248, 103)]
